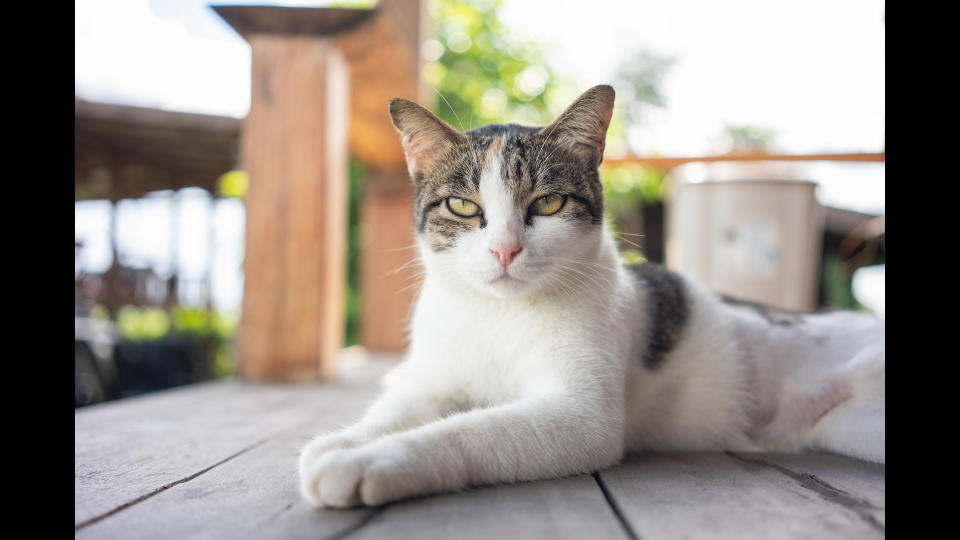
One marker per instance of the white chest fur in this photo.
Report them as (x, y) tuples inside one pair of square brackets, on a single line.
[(495, 350)]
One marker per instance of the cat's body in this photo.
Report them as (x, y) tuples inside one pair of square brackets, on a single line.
[(536, 354)]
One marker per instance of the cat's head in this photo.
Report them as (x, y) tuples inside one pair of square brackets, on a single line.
[(508, 210)]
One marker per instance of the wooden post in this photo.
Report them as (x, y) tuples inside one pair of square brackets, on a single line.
[(294, 148), (306, 61), (384, 61)]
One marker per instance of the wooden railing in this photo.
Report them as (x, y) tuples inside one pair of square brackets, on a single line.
[(667, 163)]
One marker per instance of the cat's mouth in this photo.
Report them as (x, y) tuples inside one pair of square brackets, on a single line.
[(502, 278), (505, 278)]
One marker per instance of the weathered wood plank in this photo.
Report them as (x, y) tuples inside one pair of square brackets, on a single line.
[(245, 497), (714, 495), (129, 449), (255, 495), (573, 508), (218, 460), (857, 484)]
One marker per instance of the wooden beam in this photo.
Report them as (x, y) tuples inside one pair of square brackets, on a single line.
[(250, 20), (126, 152), (293, 146)]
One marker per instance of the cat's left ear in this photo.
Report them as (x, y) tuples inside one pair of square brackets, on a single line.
[(582, 128)]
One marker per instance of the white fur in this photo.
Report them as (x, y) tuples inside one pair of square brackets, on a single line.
[(534, 372)]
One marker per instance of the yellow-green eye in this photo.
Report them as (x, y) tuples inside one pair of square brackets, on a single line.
[(545, 206), (462, 207)]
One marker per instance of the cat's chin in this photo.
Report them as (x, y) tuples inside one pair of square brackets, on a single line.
[(506, 286)]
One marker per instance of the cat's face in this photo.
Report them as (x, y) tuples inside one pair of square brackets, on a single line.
[(508, 210)]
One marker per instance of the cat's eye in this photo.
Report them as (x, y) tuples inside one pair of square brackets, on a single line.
[(550, 204), (462, 207)]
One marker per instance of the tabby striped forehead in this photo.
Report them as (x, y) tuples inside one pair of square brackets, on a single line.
[(529, 165)]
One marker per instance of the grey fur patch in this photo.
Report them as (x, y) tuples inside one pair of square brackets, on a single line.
[(668, 308)]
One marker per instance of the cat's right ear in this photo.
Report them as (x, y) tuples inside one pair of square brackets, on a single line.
[(425, 138)]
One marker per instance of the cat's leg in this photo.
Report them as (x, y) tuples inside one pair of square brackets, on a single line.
[(529, 439), (395, 410)]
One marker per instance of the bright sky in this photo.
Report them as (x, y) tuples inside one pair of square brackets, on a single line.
[(813, 71)]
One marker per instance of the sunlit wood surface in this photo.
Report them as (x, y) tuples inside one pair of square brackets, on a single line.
[(218, 460)]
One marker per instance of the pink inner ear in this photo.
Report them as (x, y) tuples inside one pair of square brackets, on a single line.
[(419, 155)]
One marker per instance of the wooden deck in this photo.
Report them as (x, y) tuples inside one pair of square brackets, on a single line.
[(218, 460)]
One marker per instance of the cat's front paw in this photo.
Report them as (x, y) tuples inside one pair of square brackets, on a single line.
[(369, 475), (347, 438)]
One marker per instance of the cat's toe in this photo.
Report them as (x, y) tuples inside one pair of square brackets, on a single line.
[(310, 486), (322, 444), (333, 480), (381, 484), (340, 485)]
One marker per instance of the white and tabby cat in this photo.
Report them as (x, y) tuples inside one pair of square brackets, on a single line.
[(536, 354)]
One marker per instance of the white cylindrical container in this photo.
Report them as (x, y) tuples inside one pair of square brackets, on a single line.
[(753, 239)]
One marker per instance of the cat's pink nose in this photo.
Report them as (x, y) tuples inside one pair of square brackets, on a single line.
[(506, 253)]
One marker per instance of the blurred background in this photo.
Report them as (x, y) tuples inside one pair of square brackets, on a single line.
[(746, 148)]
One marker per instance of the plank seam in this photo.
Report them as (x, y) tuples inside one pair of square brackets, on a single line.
[(165, 487), (826, 492), (615, 507), (354, 527)]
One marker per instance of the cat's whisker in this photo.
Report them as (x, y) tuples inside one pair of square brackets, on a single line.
[(403, 248), (411, 286), (585, 263), (415, 276), (449, 106), (580, 277), (409, 264), (634, 244), (576, 261)]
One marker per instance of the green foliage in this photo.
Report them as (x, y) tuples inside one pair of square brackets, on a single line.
[(215, 328), (151, 323), (749, 138), (203, 322), (629, 185), (482, 72), (837, 283), (224, 361), (631, 257), (357, 174), (141, 324)]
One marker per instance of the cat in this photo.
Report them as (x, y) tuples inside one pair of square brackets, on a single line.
[(536, 354)]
